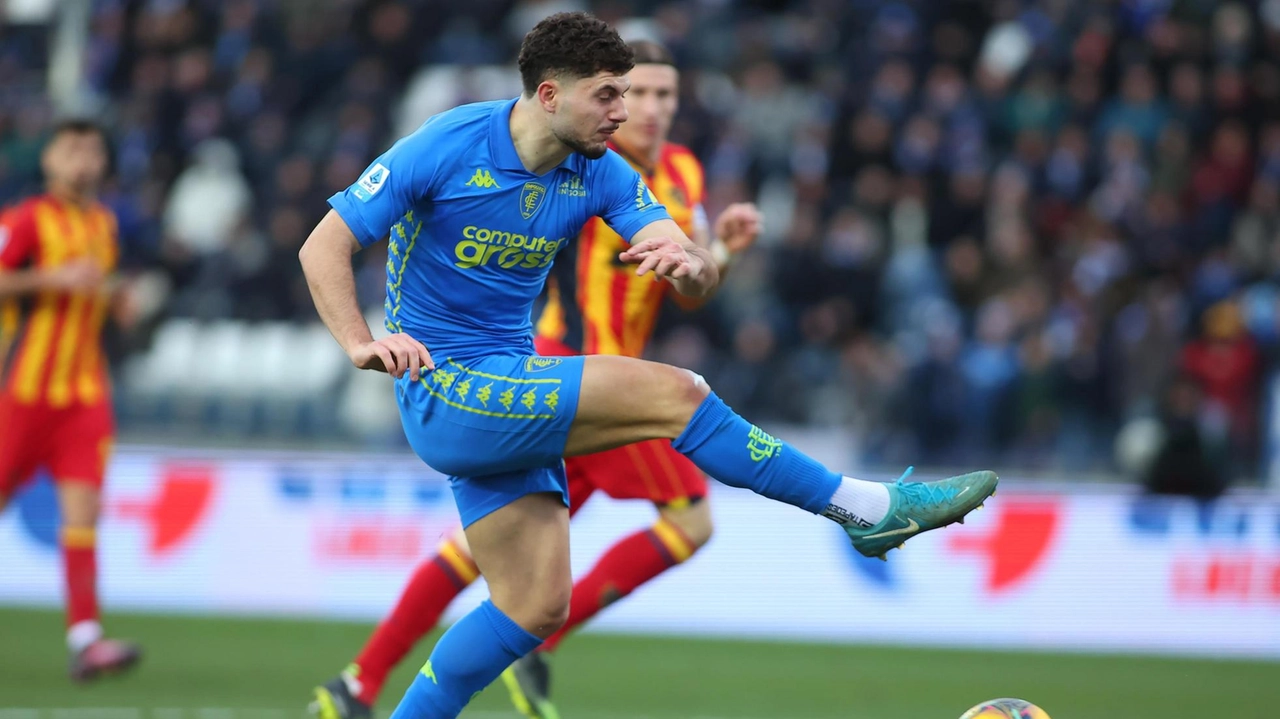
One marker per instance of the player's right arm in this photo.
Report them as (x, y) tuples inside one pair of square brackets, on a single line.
[(326, 262), (18, 242), (361, 215)]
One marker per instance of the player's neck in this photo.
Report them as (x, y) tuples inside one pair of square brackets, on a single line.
[(537, 147), (66, 193)]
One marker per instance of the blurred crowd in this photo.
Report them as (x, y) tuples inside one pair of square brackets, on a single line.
[(997, 231)]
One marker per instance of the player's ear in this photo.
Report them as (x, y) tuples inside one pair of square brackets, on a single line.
[(548, 94)]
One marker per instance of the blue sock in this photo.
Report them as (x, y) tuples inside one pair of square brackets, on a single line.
[(740, 454), (469, 656)]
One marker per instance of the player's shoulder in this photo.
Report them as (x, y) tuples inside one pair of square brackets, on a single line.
[(450, 137), (103, 211), (23, 210), (462, 121), (675, 149), (681, 159)]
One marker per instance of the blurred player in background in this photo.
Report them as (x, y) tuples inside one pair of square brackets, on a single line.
[(597, 305), (56, 253), (476, 204)]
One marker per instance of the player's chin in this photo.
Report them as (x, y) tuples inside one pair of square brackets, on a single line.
[(593, 150)]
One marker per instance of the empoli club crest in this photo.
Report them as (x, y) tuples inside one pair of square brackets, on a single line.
[(531, 197)]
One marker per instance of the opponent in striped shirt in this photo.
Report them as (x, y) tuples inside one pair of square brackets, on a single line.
[(56, 253)]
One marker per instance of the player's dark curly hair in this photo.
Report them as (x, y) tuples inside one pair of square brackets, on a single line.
[(571, 44)]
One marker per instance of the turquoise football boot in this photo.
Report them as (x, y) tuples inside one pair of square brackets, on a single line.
[(916, 507)]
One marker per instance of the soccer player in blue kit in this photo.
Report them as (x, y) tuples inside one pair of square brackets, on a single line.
[(476, 204)]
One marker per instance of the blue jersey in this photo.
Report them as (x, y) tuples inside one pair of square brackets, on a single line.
[(472, 234)]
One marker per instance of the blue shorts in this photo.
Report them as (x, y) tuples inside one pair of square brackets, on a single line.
[(496, 425)]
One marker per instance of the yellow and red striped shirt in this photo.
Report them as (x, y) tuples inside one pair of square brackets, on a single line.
[(595, 303), (51, 342)]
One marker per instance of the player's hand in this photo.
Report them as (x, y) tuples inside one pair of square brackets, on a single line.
[(74, 276), (738, 226), (664, 257), (395, 355)]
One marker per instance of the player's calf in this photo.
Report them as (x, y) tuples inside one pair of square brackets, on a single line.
[(522, 549)]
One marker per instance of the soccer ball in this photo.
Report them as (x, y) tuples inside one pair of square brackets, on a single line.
[(1005, 709)]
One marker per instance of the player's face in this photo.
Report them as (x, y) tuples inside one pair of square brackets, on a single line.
[(590, 111), (652, 103), (75, 160)]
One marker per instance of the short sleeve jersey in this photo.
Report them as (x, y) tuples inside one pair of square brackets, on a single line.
[(472, 234)]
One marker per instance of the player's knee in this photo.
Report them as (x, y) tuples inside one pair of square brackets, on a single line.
[(695, 388), (79, 507), (699, 532), (547, 610), (693, 521), (687, 389)]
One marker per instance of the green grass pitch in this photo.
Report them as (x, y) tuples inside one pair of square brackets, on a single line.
[(207, 668)]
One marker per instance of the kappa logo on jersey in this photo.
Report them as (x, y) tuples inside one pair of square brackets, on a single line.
[(573, 187), (537, 364), (644, 196), (531, 197), (483, 180), (373, 180), (481, 245)]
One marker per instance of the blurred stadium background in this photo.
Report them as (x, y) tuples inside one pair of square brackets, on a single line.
[(1037, 235)]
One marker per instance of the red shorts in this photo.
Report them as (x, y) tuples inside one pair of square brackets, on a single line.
[(72, 443), (646, 470)]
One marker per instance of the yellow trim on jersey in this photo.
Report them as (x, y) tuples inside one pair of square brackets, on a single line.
[(393, 287)]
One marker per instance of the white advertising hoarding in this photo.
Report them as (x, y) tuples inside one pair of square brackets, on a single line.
[(337, 535)]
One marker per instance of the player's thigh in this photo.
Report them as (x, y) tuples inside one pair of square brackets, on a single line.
[(522, 549), (624, 400), (25, 434), (78, 461), (79, 503), (649, 470)]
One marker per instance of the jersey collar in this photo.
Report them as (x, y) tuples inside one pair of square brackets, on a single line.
[(503, 147)]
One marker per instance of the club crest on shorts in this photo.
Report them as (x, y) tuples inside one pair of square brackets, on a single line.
[(537, 364), (531, 197)]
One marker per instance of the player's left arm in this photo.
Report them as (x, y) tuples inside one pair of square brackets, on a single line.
[(662, 248), (658, 245), (735, 231)]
